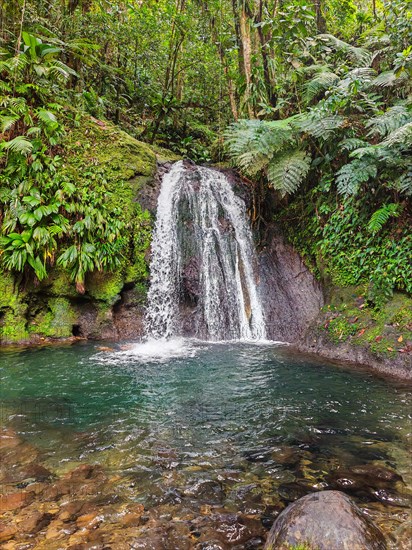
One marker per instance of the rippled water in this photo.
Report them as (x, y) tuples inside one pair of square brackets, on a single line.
[(201, 411)]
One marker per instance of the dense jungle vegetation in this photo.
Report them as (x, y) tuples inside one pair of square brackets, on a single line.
[(309, 99)]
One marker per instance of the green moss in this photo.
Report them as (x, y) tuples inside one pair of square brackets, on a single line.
[(13, 309), (101, 144), (58, 283), (386, 331), (13, 326), (340, 329), (57, 321), (104, 286), (164, 155)]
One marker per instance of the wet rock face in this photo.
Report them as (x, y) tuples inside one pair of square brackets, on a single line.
[(292, 296), (328, 520)]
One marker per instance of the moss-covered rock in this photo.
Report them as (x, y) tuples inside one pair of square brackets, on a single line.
[(105, 287), (56, 320), (350, 328), (112, 169), (13, 310)]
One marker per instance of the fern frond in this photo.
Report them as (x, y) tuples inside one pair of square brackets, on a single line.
[(7, 122), (319, 83), (352, 175), (350, 144), (391, 120), (404, 183), (319, 125), (381, 216), (252, 143), (4, 86), (287, 171), (402, 135), (388, 79), (359, 55)]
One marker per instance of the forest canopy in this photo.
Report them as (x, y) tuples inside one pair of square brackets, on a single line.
[(307, 98)]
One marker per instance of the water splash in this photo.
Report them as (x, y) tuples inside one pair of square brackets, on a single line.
[(200, 218)]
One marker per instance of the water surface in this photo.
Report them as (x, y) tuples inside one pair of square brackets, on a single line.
[(190, 423)]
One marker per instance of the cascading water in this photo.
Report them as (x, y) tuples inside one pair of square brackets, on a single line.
[(201, 220)]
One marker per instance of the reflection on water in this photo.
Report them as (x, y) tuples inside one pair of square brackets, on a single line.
[(188, 423)]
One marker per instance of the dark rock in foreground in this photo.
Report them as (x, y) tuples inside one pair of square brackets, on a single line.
[(328, 520)]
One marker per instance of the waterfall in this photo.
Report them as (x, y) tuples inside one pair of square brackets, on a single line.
[(201, 222)]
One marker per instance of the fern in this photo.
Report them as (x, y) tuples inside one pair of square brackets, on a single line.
[(319, 83), (360, 56), (319, 125), (350, 144), (352, 175), (402, 135), (389, 78), (286, 172), (381, 216), (391, 120), (7, 122), (404, 183), (252, 143)]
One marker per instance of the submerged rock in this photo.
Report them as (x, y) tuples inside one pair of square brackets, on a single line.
[(328, 520)]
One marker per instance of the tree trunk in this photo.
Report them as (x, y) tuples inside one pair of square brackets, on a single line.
[(247, 59), (272, 98), (320, 20)]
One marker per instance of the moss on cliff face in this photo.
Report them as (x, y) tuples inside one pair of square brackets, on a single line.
[(56, 320), (13, 309), (103, 162)]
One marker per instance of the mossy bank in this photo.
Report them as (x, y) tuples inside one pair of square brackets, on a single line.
[(99, 160)]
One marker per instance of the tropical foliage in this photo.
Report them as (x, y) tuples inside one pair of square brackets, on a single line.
[(310, 99)]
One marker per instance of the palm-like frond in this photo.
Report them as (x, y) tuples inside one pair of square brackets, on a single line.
[(402, 135), (389, 78), (19, 144), (7, 122)]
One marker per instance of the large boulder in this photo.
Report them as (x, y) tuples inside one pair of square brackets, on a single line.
[(328, 520)]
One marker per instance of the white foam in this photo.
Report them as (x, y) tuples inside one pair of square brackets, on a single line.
[(157, 351)]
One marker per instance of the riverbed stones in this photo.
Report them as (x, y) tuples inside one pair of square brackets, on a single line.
[(328, 520), (14, 501)]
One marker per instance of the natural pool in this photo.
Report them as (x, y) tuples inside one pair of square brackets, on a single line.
[(213, 440)]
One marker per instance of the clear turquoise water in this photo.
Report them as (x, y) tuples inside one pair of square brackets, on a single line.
[(220, 403)]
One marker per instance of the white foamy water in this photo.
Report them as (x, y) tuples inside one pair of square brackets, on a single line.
[(229, 306), (156, 351)]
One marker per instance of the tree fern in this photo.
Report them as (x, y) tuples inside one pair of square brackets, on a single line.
[(318, 124), (319, 83), (381, 216), (350, 177), (361, 56), (391, 120), (286, 172), (252, 143), (402, 135)]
